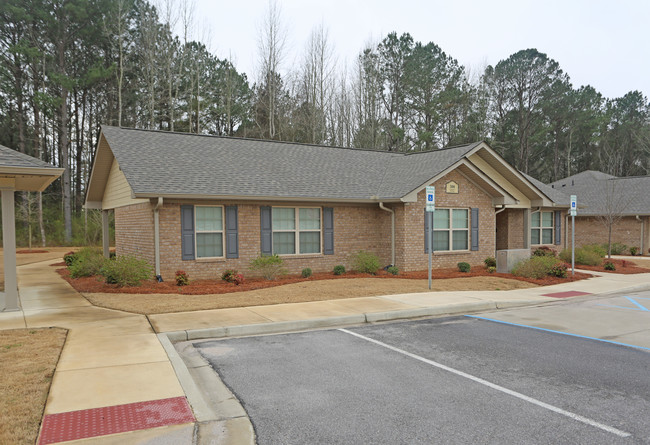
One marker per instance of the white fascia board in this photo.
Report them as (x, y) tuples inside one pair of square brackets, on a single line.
[(371, 200)]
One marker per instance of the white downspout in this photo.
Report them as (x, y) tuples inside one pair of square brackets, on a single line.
[(392, 231), (156, 236)]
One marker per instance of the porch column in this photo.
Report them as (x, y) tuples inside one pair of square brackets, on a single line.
[(105, 234), (9, 250)]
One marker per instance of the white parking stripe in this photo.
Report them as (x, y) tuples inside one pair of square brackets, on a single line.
[(555, 409)]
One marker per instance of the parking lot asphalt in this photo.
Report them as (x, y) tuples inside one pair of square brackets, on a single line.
[(451, 380)]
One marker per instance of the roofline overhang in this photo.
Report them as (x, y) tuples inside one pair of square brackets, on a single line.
[(47, 175), (204, 197)]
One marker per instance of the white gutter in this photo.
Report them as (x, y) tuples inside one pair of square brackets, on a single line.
[(392, 231), (156, 235), (503, 207)]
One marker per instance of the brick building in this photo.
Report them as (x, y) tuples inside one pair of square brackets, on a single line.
[(204, 204), (625, 201)]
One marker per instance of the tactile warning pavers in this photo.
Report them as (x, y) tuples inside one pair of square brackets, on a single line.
[(570, 293), (95, 422)]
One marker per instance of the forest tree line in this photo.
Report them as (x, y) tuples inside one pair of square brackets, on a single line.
[(69, 66)]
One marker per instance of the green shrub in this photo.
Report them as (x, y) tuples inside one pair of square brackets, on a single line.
[(590, 255), (69, 258), (126, 270), (617, 248), (182, 278), (339, 270), (464, 267), (491, 269), (490, 262), (609, 266), (306, 272), (559, 270), (393, 270), (634, 250), (597, 249), (544, 251), (86, 263), (365, 262), (269, 266), (229, 275), (535, 267)]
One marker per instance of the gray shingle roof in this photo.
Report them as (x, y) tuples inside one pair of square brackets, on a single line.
[(164, 163), (556, 195), (13, 158), (630, 195)]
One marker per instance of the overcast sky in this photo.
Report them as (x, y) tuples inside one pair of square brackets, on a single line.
[(603, 43)]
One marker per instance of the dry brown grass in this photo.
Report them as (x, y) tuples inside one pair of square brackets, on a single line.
[(28, 358), (150, 304)]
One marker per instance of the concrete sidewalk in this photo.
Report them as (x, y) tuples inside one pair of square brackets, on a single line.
[(114, 363)]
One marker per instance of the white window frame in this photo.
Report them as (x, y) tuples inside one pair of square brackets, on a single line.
[(222, 232), (451, 229), (296, 231), (542, 227)]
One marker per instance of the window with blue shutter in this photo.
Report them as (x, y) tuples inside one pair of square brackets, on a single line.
[(328, 231), (232, 241), (474, 225), (558, 227), (187, 232), (266, 231)]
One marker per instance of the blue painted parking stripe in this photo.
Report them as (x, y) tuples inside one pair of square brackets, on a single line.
[(558, 332)]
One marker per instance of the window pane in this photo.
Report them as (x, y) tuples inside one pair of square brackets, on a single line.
[(547, 236), (459, 220), (284, 219), (284, 243), (459, 240), (441, 220), (547, 219), (309, 219), (534, 236), (209, 245), (440, 239), (309, 242), (534, 219), (208, 218)]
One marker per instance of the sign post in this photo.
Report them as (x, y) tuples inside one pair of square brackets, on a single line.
[(431, 207), (574, 209)]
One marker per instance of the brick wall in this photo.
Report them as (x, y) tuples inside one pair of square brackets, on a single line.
[(627, 231), (410, 226), (134, 231)]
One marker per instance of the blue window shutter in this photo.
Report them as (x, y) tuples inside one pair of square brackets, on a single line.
[(187, 232), (232, 246), (328, 231), (266, 232), (474, 226), (558, 227), (427, 221)]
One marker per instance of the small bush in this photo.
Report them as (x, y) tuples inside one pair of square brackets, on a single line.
[(229, 275), (464, 267), (544, 251), (617, 248), (339, 270), (535, 267), (634, 250), (590, 255), (559, 270), (182, 278), (239, 279), (597, 249), (126, 270), (306, 272), (69, 258), (490, 262), (365, 262), (86, 263), (609, 266), (270, 266), (393, 270), (491, 269)]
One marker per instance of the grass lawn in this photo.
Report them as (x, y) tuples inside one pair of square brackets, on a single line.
[(156, 303), (28, 358)]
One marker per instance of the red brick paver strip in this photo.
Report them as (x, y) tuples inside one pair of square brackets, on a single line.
[(570, 293), (95, 422)]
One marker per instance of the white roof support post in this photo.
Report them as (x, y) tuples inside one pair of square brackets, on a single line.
[(105, 234), (9, 250)]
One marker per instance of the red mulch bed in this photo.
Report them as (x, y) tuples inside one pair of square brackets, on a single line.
[(204, 287), (622, 266), (31, 251)]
